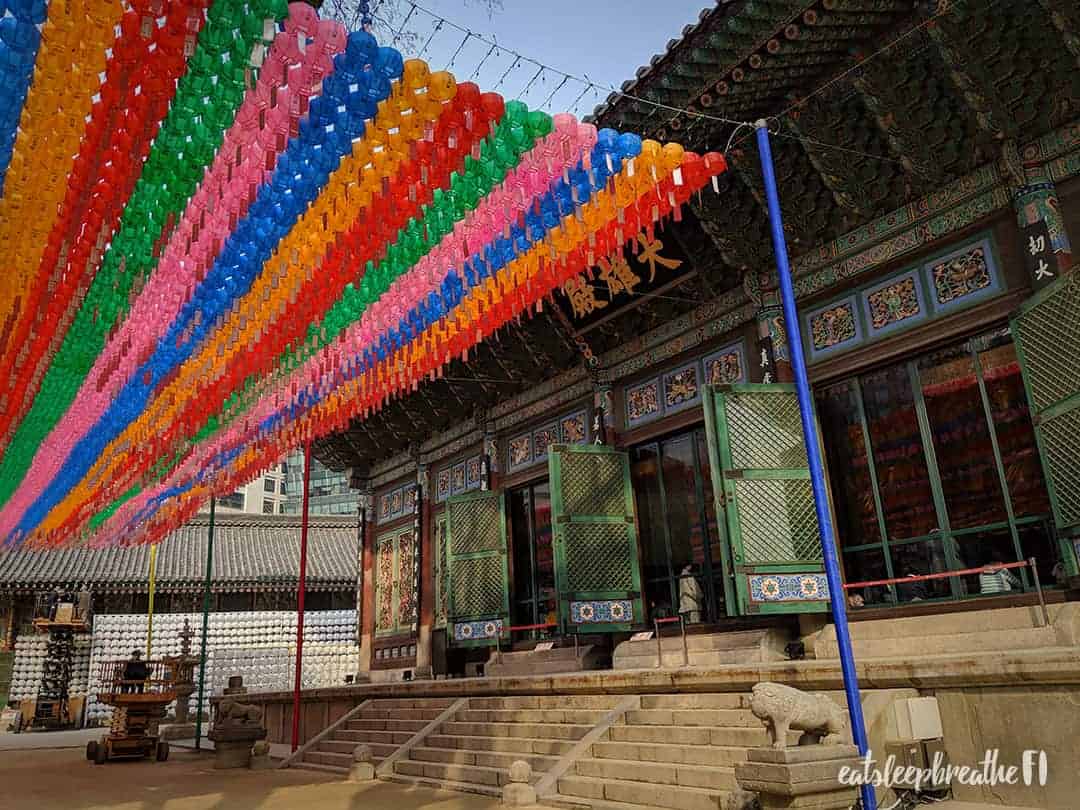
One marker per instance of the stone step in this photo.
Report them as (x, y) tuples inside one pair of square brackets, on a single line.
[(547, 662), (731, 736), (669, 797), (975, 621), (487, 759), (576, 803), (723, 756), (725, 700), (705, 649), (376, 737), (546, 731), (443, 771), (386, 725), (427, 715), (379, 751), (658, 773), (944, 644), (314, 766), (343, 761), (518, 745), (444, 784), (715, 718), (579, 717), (412, 703), (604, 702)]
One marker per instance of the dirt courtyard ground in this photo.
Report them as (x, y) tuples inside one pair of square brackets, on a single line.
[(62, 779)]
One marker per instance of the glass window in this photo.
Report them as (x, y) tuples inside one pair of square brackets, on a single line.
[(234, 500), (268, 484), (896, 441), (645, 473), (268, 506), (847, 459), (962, 443), (281, 486), (1013, 428), (922, 557), (867, 565)]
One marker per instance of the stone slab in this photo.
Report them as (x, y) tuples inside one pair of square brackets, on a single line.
[(802, 753), (791, 777)]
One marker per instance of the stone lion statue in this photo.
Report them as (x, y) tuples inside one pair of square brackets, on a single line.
[(782, 708), (234, 713)]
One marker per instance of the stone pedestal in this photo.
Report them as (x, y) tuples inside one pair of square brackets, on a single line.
[(234, 753), (177, 731), (800, 778), (237, 726)]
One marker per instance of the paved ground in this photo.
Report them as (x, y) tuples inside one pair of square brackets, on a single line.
[(62, 779)]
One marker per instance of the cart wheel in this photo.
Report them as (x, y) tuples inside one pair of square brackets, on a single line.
[(101, 753), (162, 751), (91, 750)]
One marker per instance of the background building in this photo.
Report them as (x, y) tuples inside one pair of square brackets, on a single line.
[(265, 495), (330, 492)]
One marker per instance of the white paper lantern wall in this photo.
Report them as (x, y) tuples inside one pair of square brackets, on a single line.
[(258, 645)]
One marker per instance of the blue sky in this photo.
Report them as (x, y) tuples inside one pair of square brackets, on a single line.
[(605, 40)]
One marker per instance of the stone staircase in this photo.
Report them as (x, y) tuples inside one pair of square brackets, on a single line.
[(676, 752), (474, 749), (385, 725), (1012, 629), (704, 649)]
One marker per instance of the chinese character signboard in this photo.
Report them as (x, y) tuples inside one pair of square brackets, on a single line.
[(1039, 254), (618, 281)]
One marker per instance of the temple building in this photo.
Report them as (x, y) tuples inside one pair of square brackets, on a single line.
[(633, 452)]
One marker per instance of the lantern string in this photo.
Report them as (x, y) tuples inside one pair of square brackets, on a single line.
[(520, 57)]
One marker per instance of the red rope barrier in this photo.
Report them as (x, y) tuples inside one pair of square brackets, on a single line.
[(942, 575)]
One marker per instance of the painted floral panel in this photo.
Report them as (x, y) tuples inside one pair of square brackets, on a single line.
[(724, 367), (397, 502), (961, 275), (384, 506), (457, 478), (681, 388), (472, 472), (520, 451), (442, 484), (833, 326), (643, 401), (406, 580), (894, 303), (542, 439), (384, 587), (573, 428)]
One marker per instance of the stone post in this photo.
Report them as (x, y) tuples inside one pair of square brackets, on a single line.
[(805, 777), (518, 792), (362, 770)]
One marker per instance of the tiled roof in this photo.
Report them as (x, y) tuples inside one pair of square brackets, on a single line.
[(251, 552)]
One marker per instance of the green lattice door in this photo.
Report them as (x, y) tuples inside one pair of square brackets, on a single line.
[(597, 573), (478, 607), (762, 487), (1047, 332)]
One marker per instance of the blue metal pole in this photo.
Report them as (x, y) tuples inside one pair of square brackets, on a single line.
[(813, 456)]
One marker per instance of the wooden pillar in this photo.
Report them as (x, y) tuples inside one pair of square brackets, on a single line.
[(367, 607), (426, 597)]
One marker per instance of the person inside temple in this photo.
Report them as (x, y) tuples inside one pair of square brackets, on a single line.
[(690, 596)]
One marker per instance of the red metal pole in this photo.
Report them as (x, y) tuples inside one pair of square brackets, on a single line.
[(300, 599)]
